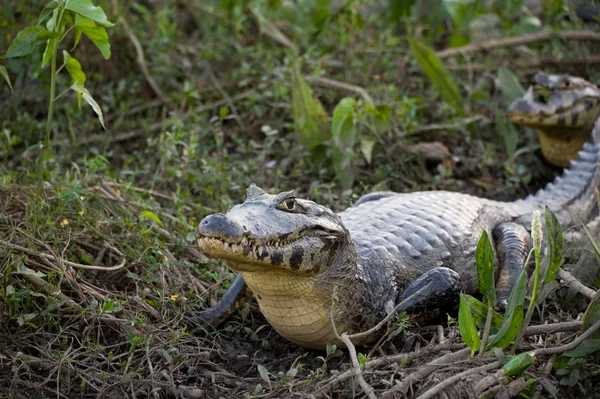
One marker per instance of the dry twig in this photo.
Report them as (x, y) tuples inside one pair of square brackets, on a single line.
[(572, 282), (518, 41)]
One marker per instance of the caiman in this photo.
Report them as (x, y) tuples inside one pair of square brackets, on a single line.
[(292, 253), (563, 110)]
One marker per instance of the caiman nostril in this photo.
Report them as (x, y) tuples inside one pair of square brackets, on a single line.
[(218, 225)]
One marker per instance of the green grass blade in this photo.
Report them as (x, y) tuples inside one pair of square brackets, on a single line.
[(437, 74), (466, 325), (555, 245)]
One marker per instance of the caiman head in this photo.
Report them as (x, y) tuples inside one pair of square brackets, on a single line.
[(563, 108), (290, 252)]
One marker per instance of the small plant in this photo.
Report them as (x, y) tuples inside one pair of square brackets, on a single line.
[(61, 17)]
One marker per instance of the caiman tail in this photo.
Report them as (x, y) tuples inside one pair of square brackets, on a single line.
[(573, 196)]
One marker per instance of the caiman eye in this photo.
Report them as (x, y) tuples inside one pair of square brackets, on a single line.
[(289, 205)]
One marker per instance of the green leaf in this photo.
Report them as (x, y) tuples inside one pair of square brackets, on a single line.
[(4, 74), (88, 10), (264, 374), (310, 119), (591, 316), (381, 117), (48, 52), (74, 68), (513, 317), (509, 132), (518, 364), (484, 258), (151, 216), (479, 311), (555, 246), (95, 33), (466, 324), (399, 9), (588, 346), (80, 90), (25, 41), (344, 137), (47, 10), (437, 74), (509, 85), (366, 147)]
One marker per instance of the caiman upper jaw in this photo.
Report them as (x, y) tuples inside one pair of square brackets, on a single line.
[(219, 226)]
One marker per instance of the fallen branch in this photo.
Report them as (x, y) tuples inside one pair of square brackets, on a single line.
[(64, 261), (518, 41), (450, 381), (572, 282), (541, 62), (367, 389)]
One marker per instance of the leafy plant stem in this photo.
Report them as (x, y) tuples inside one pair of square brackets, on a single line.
[(486, 330), (532, 302)]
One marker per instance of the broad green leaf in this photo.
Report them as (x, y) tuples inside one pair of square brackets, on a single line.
[(74, 68), (50, 7), (344, 137), (366, 147), (591, 316), (4, 74), (555, 246), (588, 346), (151, 216), (466, 324), (310, 119), (25, 41), (513, 315), (437, 74), (95, 33), (484, 258), (90, 100), (509, 85), (479, 312), (509, 330), (88, 10), (518, 364)]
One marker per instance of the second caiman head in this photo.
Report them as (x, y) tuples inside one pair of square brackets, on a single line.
[(563, 109)]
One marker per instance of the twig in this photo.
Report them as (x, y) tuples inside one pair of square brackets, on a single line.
[(520, 40), (370, 331), (338, 379), (356, 371), (446, 383), (367, 389), (223, 93), (56, 259), (450, 358), (571, 345), (572, 282), (591, 59), (345, 86)]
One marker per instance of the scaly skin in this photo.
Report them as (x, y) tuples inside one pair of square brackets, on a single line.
[(563, 109), (292, 252)]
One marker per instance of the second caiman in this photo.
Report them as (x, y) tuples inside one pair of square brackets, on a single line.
[(292, 253)]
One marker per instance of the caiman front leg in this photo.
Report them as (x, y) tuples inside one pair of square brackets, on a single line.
[(237, 294), (440, 291), (512, 242)]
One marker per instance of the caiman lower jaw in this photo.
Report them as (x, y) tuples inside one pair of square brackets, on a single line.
[(247, 254)]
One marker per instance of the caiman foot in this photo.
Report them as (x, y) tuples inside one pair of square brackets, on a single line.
[(440, 291)]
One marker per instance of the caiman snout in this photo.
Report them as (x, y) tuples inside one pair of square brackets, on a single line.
[(218, 225)]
